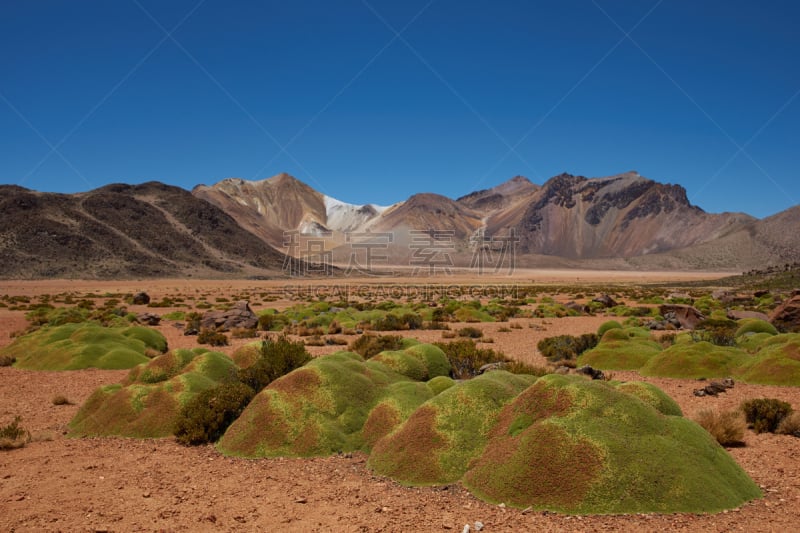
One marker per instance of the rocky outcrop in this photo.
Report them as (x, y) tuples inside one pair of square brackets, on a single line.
[(686, 315), (239, 316), (786, 317)]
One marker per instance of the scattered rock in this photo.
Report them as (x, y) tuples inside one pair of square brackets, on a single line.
[(786, 317), (715, 387), (466, 528), (238, 316), (148, 319), (500, 365), (738, 315), (606, 300), (686, 316), (478, 526), (722, 296), (680, 296), (140, 298)]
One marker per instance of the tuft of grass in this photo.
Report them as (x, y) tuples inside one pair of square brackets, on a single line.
[(790, 425), (726, 427), (7, 360), (470, 332), (13, 435)]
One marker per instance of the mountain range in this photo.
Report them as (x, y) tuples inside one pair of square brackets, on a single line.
[(240, 228)]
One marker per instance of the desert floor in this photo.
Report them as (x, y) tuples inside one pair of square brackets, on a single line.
[(106, 484)]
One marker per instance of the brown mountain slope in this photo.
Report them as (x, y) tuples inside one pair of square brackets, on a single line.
[(757, 243), (619, 216), (124, 231), (268, 207), (427, 211)]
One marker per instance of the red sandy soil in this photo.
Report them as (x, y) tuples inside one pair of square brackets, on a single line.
[(108, 484)]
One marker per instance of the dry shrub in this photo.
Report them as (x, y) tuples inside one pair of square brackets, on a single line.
[(790, 425), (518, 367), (60, 399), (315, 340), (727, 427), (336, 341), (214, 338), (448, 334), (7, 360), (368, 345), (243, 333), (470, 332)]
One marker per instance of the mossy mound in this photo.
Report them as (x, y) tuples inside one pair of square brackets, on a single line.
[(621, 349), (77, 346), (420, 362), (652, 395), (147, 403), (777, 362), (754, 325), (694, 361), (437, 442), (572, 445), (335, 403)]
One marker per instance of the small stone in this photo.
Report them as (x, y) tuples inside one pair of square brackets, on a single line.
[(146, 494), (478, 525), (466, 529), (301, 500)]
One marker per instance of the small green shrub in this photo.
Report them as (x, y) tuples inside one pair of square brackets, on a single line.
[(727, 427), (214, 338), (206, 416), (277, 357), (466, 358), (266, 321), (566, 346), (717, 332), (13, 435), (369, 345), (765, 414)]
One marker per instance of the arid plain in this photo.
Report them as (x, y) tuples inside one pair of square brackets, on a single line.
[(57, 483)]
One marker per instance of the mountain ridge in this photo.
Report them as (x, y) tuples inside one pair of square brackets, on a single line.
[(237, 227)]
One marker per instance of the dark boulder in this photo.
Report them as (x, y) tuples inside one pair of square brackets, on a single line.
[(140, 298)]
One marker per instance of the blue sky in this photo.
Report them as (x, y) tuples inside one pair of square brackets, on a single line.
[(371, 101)]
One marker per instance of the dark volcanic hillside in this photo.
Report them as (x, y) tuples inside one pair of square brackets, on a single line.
[(123, 231)]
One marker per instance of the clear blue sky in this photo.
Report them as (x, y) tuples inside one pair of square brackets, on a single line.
[(470, 94)]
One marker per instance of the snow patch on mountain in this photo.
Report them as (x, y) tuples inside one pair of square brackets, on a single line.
[(342, 216)]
